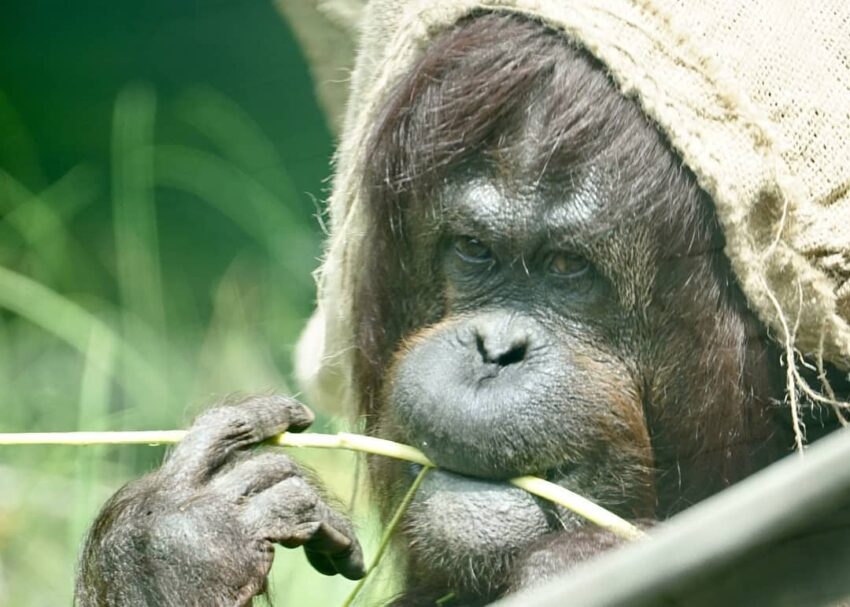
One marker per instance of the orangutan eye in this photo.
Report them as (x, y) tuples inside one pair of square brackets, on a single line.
[(567, 265), (472, 250)]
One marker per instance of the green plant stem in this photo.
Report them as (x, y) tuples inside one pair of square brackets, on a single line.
[(343, 440), (387, 535), (64, 319)]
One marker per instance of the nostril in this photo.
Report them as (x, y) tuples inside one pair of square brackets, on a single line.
[(482, 349), (501, 351), (512, 356)]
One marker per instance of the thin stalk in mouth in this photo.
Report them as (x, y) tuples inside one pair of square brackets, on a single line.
[(342, 440)]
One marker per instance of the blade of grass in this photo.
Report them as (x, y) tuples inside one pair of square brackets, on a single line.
[(18, 152), (238, 138), (578, 504), (40, 219), (344, 440), (92, 410), (62, 318), (249, 204), (387, 535), (136, 239), (64, 198), (237, 348)]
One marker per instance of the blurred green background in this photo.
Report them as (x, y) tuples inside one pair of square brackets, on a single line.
[(162, 164)]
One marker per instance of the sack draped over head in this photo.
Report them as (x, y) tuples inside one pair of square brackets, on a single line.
[(754, 96)]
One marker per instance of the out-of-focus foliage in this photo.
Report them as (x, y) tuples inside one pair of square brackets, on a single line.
[(160, 164)]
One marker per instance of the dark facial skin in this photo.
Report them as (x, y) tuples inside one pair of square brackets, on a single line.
[(493, 371), (509, 381)]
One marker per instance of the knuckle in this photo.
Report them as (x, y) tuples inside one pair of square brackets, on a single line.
[(308, 499), (266, 402), (257, 412), (288, 408), (223, 416), (275, 459), (272, 465), (282, 400)]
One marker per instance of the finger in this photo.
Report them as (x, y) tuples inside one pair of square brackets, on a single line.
[(292, 513), (253, 472), (326, 555), (221, 431), (334, 541)]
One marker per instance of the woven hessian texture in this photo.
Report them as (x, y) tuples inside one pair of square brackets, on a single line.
[(755, 97)]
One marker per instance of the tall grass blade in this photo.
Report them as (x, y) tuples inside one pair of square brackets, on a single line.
[(136, 246), (93, 409), (238, 138), (136, 239), (62, 318), (249, 204), (41, 221), (18, 152)]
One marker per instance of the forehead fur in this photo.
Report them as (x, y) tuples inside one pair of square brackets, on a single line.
[(503, 95)]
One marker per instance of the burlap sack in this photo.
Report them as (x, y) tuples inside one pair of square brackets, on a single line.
[(754, 95)]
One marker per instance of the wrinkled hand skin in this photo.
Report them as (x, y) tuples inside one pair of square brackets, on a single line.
[(201, 530)]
